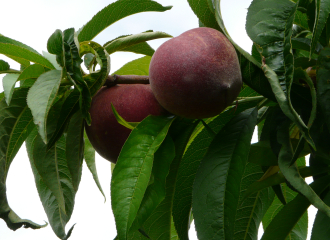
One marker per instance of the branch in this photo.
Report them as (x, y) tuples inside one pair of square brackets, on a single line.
[(126, 79)]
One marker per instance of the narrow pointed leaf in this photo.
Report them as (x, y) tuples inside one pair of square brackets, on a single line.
[(96, 80), (291, 172), (139, 66), (216, 187), (16, 124), (22, 53), (75, 142), (133, 170), (160, 224), (323, 85), (56, 216), (4, 66), (41, 97), (204, 13), (46, 163), (195, 152), (292, 212), (155, 192), (8, 83), (32, 71), (89, 155), (286, 105), (124, 42), (320, 229), (68, 108), (114, 12), (321, 15)]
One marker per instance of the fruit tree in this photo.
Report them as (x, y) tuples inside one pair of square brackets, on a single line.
[(179, 133)]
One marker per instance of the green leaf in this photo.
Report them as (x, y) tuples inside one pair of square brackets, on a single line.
[(15, 125), (301, 19), (323, 85), (195, 152), (299, 231), (138, 66), (278, 178), (8, 83), (121, 120), (216, 188), (262, 154), (4, 66), (52, 59), (41, 97), (250, 211), (32, 71), (22, 53), (291, 172), (69, 107), (114, 12), (61, 180), (55, 43), (320, 229), (75, 142), (47, 164), (273, 37), (321, 16), (292, 212), (123, 42), (304, 44), (285, 104), (140, 48), (89, 155), (155, 192), (204, 13), (160, 224), (133, 170), (96, 80)]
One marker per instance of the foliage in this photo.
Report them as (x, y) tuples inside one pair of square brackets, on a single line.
[(172, 170)]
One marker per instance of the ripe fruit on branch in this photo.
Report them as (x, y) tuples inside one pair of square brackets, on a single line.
[(197, 74), (133, 102)]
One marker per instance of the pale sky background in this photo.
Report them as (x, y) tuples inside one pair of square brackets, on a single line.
[(32, 22)]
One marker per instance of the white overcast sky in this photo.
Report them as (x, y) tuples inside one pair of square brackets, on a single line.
[(32, 22)]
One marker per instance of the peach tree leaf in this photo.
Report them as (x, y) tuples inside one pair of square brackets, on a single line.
[(8, 83), (195, 151), (16, 124), (75, 142), (114, 12), (22, 53), (41, 97), (292, 212), (51, 172), (133, 170), (89, 155), (159, 224), (156, 191), (204, 12), (291, 173), (138, 66), (299, 231), (216, 189), (123, 43), (321, 15), (320, 230), (4, 66)]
